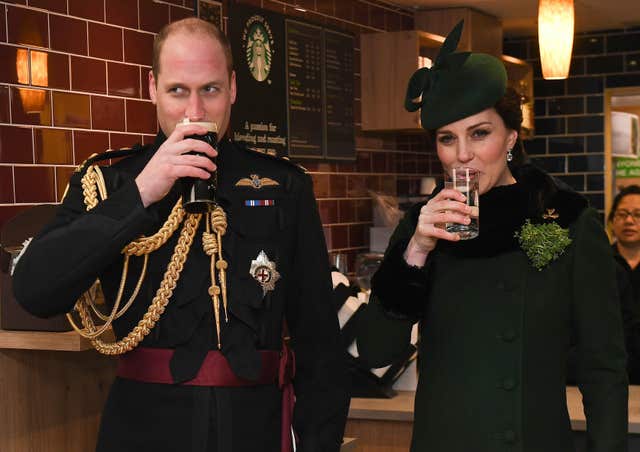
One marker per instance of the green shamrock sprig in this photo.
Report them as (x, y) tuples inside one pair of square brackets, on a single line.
[(543, 243)]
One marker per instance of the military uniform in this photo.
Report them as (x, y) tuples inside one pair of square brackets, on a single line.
[(270, 211), (495, 332)]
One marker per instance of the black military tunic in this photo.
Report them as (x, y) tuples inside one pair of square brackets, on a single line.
[(278, 218)]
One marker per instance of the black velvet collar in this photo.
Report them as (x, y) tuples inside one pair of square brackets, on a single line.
[(504, 209)]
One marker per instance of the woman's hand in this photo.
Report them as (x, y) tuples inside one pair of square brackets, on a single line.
[(446, 207)]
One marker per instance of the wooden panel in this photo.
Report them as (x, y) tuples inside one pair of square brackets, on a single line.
[(481, 32), (51, 401), (486, 33), (34, 340), (635, 109), (576, 411), (385, 425), (398, 408), (380, 436), (388, 60)]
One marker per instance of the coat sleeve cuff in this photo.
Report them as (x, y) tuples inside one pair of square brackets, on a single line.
[(401, 288)]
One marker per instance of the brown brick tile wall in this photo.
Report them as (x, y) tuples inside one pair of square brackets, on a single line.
[(96, 97)]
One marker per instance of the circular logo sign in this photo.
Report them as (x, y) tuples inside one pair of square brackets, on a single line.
[(257, 41)]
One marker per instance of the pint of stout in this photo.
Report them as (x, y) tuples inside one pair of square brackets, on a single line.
[(199, 195)]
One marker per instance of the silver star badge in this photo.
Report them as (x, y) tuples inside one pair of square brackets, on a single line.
[(264, 271)]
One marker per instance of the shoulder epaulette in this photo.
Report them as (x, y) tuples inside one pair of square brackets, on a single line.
[(109, 154), (284, 159)]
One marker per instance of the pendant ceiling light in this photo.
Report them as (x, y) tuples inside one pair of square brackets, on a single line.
[(555, 37)]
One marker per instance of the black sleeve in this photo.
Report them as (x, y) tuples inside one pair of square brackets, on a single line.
[(321, 381), (67, 256), (398, 296), (400, 287)]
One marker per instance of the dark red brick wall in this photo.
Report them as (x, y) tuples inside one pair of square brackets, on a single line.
[(99, 53)]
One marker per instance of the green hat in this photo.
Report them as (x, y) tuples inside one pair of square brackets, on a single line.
[(457, 85)]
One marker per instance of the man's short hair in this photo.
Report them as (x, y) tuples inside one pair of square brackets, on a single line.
[(190, 25)]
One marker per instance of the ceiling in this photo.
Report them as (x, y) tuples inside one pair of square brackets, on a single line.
[(519, 17)]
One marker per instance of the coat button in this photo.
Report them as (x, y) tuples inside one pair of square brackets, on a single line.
[(508, 384), (509, 436), (501, 285)]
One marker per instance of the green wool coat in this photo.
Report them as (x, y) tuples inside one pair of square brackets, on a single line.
[(495, 332)]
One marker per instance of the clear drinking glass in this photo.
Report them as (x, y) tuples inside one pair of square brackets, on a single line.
[(466, 181)]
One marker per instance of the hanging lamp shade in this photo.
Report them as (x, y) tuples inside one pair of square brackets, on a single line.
[(555, 37)]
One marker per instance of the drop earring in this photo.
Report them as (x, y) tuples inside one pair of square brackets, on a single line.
[(509, 155)]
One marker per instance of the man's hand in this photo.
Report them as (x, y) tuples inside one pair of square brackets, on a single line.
[(170, 163)]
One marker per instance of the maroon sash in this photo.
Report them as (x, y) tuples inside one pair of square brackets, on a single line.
[(151, 365)]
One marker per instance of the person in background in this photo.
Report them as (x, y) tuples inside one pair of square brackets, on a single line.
[(497, 313), (624, 221), (204, 368)]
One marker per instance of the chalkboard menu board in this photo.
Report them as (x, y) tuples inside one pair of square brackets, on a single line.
[(295, 86), (339, 94), (304, 94)]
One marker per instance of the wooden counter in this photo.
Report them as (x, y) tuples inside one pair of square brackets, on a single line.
[(53, 387), (40, 340), (385, 425), (400, 408)]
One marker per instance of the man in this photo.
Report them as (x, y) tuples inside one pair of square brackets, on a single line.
[(175, 391)]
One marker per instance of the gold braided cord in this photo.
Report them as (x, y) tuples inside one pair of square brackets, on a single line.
[(89, 331), (161, 299), (133, 296), (94, 189), (210, 245), (146, 245), (216, 227), (92, 183), (219, 222)]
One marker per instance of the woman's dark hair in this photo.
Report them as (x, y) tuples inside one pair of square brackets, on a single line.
[(628, 190), (509, 109)]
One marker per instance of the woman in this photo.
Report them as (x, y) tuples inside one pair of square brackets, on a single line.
[(496, 322), (624, 220)]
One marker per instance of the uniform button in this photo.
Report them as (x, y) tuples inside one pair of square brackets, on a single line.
[(509, 335), (509, 436), (508, 384)]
